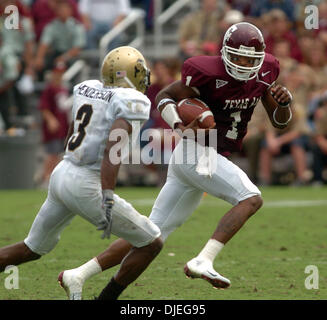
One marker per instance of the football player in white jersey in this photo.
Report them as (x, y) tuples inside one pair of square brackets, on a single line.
[(83, 182)]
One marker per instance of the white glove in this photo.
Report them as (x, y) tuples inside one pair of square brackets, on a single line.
[(107, 204)]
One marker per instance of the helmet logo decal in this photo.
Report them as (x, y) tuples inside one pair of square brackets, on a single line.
[(220, 83), (139, 63), (136, 71), (121, 74), (229, 32)]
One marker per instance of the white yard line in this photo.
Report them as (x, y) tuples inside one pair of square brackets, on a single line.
[(295, 203), (266, 204)]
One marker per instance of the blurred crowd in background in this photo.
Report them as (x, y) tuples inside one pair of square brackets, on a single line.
[(52, 34)]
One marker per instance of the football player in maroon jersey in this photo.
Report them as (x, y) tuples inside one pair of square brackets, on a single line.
[(231, 84)]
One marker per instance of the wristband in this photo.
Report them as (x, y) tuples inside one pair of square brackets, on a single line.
[(162, 101), (170, 115), (280, 123)]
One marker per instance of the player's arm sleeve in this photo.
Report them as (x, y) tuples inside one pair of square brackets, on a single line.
[(132, 106), (192, 76)]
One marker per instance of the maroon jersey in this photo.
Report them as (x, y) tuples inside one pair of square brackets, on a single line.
[(231, 101)]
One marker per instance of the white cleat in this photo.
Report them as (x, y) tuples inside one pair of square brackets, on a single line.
[(71, 283), (200, 268)]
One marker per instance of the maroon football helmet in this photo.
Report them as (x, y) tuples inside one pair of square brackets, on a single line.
[(243, 39)]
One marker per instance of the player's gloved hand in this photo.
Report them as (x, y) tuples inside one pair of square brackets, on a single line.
[(107, 204)]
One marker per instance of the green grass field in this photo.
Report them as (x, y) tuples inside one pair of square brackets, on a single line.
[(265, 260)]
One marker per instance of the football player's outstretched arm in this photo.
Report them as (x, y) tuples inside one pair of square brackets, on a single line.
[(277, 101), (109, 170)]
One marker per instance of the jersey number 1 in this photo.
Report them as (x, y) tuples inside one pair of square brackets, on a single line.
[(84, 115)]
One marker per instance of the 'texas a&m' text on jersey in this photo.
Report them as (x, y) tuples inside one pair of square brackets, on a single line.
[(231, 101)]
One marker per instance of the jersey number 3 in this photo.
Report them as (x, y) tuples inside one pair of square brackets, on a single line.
[(84, 115)]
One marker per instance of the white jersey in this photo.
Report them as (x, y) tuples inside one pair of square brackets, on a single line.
[(95, 109)]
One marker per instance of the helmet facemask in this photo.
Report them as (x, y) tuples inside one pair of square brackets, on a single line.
[(239, 72), (141, 77), (246, 40)]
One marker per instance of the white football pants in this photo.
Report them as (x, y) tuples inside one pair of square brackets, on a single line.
[(184, 187), (75, 190)]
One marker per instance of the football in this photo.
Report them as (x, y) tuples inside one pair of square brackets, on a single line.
[(189, 109)]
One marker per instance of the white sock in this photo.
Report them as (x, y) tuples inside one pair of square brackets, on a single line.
[(89, 269), (211, 249)]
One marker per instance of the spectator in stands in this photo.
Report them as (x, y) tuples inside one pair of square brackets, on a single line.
[(62, 40), (21, 43), (21, 40), (322, 23), (317, 60), (253, 140), (243, 6), (28, 3), (260, 7), (43, 12), (54, 110), (299, 79), (9, 72), (284, 141), (148, 7), (101, 16), (201, 29), (163, 73), (279, 29), (305, 40), (320, 147)]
